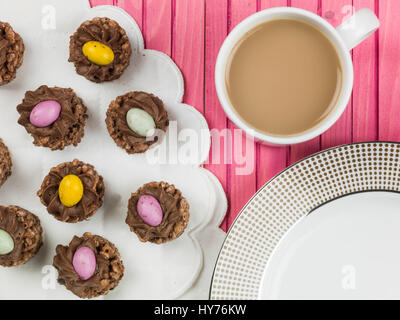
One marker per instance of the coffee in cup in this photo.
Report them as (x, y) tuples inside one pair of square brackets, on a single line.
[(284, 77)]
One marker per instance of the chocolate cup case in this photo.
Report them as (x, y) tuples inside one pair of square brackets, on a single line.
[(67, 129), (26, 233), (100, 31), (11, 53), (109, 267), (5, 163), (93, 191)]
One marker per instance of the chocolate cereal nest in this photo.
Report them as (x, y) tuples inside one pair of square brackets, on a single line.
[(93, 191), (109, 267), (11, 53), (67, 130), (175, 213), (5, 163), (118, 127), (26, 231), (108, 32)]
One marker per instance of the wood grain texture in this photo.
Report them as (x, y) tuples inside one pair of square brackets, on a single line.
[(94, 3), (389, 71), (134, 8), (365, 92), (188, 48), (157, 25), (241, 186), (216, 30), (342, 131), (302, 150), (265, 4)]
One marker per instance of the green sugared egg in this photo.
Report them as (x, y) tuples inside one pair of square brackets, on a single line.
[(141, 122), (6, 242)]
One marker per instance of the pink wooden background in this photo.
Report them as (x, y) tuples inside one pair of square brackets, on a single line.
[(192, 31)]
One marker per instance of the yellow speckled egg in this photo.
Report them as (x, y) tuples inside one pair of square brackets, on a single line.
[(70, 190), (98, 53)]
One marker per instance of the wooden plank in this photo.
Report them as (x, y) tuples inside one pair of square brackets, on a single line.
[(303, 150), (134, 8), (157, 25), (265, 4), (94, 3), (300, 151), (336, 11), (310, 5), (215, 32), (188, 48), (389, 71), (241, 187), (270, 160), (365, 92)]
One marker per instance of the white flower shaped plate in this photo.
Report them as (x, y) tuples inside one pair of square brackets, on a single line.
[(181, 268), (325, 228)]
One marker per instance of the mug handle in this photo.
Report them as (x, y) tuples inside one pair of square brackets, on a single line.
[(358, 27)]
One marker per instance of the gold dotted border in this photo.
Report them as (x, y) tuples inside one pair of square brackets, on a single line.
[(290, 196)]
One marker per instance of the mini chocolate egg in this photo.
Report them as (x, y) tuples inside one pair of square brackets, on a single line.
[(149, 209), (6, 242), (140, 121), (98, 53), (45, 113), (84, 262), (70, 190)]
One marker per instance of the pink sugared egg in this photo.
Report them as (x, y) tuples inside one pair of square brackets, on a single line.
[(45, 113), (149, 209), (84, 262)]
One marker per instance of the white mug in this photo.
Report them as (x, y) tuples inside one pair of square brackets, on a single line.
[(344, 38)]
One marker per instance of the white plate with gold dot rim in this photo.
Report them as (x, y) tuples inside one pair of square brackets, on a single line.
[(325, 228)]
